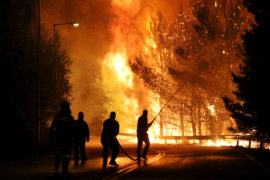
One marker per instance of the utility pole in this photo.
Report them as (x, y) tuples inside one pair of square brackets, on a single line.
[(37, 143), (56, 67), (75, 24)]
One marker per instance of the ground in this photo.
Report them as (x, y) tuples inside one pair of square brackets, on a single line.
[(164, 162)]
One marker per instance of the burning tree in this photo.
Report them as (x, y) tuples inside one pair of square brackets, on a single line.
[(196, 52)]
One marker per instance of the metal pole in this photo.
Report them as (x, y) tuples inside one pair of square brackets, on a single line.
[(38, 83), (56, 64)]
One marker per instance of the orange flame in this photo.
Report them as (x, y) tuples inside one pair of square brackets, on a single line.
[(128, 33)]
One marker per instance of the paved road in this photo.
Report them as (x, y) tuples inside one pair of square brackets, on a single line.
[(201, 163), (164, 162)]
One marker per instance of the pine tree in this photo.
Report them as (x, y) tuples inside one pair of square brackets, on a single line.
[(249, 109), (19, 74)]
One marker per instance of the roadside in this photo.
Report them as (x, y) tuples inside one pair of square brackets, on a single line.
[(42, 168), (259, 156)]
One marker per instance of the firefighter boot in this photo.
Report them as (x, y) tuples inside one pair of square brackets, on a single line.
[(57, 161), (65, 165)]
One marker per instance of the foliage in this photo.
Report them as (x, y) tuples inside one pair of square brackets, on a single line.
[(20, 73), (196, 51), (252, 93)]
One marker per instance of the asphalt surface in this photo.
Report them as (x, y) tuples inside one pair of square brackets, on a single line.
[(189, 162), (164, 162)]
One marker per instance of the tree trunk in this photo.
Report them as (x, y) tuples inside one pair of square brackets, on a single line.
[(161, 124), (192, 120), (199, 119), (182, 125)]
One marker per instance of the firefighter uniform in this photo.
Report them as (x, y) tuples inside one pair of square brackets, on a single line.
[(61, 130), (142, 135), (81, 134), (109, 141)]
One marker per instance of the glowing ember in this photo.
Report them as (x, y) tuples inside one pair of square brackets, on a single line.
[(220, 142), (212, 109)]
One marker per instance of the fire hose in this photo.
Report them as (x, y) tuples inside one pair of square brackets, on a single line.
[(122, 149)]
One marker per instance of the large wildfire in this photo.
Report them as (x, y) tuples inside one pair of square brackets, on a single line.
[(131, 55)]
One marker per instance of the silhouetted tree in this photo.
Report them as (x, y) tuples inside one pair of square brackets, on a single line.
[(250, 109), (19, 76)]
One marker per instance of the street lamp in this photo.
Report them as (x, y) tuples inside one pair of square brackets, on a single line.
[(75, 24)]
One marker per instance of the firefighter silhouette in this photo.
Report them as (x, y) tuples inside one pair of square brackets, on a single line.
[(109, 141), (142, 135), (61, 130), (81, 134)]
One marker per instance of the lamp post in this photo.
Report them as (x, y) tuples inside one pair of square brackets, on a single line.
[(37, 143), (75, 24)]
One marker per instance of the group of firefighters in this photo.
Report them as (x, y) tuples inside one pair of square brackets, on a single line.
[(65, 130)]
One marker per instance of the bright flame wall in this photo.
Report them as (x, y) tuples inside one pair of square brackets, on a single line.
[(111, 32)]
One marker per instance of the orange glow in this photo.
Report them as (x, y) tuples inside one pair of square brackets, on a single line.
[(220, 142), (130, 6), (212, 109), (114, 34), (157, 140), (118, 61)]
